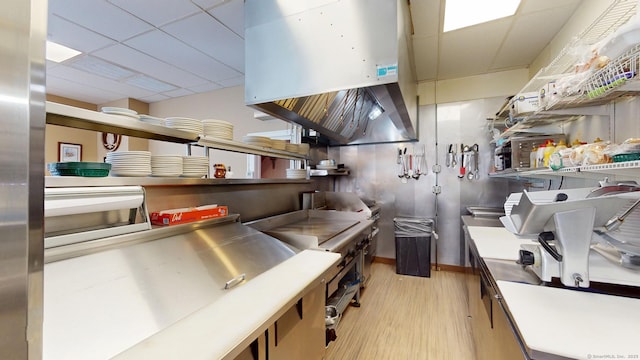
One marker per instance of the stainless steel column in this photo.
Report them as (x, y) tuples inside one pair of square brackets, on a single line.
[(22, 118)]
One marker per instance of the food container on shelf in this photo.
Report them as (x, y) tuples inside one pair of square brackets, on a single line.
[(524, 103)]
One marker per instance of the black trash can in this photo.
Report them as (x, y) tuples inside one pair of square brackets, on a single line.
[(413, 246)]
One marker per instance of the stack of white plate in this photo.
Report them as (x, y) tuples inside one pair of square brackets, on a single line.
[(279, 144), (296, 174), (166, 165), (218, 128), (195, 166), (152, 120), (257, 141), (130, 163), (186, 124), (119, 111)]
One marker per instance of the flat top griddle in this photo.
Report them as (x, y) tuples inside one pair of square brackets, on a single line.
[(322, 229)]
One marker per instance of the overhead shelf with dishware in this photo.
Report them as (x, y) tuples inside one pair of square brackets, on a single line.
[(69, 116)]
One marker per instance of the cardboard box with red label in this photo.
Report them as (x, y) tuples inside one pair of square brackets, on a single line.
[(186, 215)]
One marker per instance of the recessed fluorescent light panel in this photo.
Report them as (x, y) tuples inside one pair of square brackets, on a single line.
[(59, 53), (150, 84), (462, 13), (102, 68)]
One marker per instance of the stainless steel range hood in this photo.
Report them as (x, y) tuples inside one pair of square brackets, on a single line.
[(342, 68)]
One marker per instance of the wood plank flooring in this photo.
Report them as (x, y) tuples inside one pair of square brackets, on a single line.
[(406, 317)]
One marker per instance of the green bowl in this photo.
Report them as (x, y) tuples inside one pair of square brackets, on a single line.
[(626, 157), (86, 169)]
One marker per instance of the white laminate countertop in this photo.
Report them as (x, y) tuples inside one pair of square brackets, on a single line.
[(574, 324), (497, 242), (562, 322), (215, 330)]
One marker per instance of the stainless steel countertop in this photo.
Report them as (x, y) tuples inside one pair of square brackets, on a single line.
[(469, 220)]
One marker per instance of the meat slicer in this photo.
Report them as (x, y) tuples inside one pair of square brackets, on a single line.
[(578, 235)]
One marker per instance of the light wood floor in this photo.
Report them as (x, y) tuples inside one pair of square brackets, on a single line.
[(406, 317)]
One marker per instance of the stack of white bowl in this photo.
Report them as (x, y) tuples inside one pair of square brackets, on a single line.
[(130, 163), (296, 174), (152, 120), (279, 144), (166, 165), (195, 166), (262, 141), (218, 128), (185, 124)]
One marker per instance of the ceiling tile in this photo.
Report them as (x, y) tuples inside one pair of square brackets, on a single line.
[(530, 6), (99, 16), (135, 60), (463, 52), (73, 90), (231, 14), (207, 4), (155, 98), (206, 87), (76, 37), (425, 51), (520, 48), (163, 46), (161, 12), (178, 93), (87, 79), (232, 82), (426, 17), (206, 34)]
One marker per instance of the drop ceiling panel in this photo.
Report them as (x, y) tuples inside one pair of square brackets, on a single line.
[(530, 6), (148, 65), (159, 12), (205, 33), (520, 47), (155, 98), (178, 93), (464, 52), (76, 37), (76, 91), (207, 4), (163, 46), (206, 87), (101, 17), (425, 50), (231, 14), (88, 79), (232, 82), (426, 15)]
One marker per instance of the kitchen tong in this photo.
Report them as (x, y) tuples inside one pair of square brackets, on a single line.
[(468, 160)]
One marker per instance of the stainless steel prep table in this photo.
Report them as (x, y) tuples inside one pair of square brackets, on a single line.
[(100, 303)]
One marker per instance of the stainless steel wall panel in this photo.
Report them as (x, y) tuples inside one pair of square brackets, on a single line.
[(374, 175), (22, 36)]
